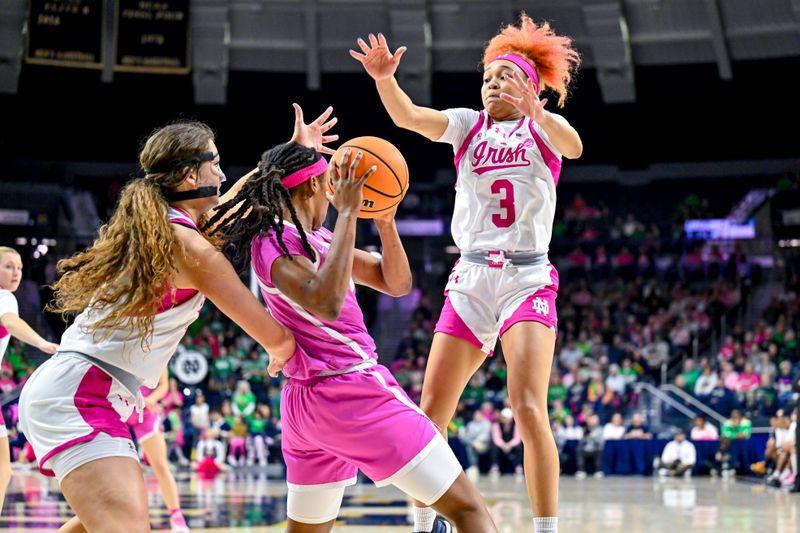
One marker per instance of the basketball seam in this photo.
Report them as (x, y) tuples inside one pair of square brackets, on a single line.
[(376, 156)]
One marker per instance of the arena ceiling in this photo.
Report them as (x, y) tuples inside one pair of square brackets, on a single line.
[(613, 36), (311, 36)]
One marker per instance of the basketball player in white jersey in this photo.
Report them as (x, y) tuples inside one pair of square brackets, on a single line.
[(137, 289), (11, 325), (508, 159)]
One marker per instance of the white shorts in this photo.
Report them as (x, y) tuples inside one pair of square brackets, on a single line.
[(425, 480), (484, 301), (66, 405)]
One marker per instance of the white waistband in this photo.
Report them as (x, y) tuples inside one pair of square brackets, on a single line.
[(352, 368)]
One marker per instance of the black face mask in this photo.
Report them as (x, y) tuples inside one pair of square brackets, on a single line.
[(171, 166)]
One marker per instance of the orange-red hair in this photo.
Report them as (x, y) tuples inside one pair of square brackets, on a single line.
[(552, 55)]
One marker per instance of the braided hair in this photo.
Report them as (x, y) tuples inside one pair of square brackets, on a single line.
[(265, 197)]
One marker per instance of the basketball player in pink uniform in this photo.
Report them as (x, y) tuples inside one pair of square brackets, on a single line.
[(12, 325), (508, 160), (151, 441), (341, 411), (137, 289)]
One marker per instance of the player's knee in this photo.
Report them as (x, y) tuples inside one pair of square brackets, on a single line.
[(131, 518), (530, 417), (432, 409)]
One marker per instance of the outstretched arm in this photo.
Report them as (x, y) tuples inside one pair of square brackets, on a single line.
[(204, 268), (381, 65), (22, 331)]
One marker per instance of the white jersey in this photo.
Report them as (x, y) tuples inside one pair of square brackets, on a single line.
[(8, 304), (506, 176), (122, 348)]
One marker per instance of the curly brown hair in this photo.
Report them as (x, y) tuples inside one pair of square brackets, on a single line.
[(129, 266)]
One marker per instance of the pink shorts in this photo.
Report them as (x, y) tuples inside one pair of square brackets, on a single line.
[(3, 429), (483, 302), (334, 426), (150, 425)]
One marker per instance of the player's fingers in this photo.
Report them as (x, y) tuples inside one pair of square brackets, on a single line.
[(358, 57), (354, 165), (373, 41), (298, 113), (363, 179), (328, 125), (399, 53), (324, 116)]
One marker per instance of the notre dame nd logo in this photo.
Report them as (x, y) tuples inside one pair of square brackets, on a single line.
[(541, 306)]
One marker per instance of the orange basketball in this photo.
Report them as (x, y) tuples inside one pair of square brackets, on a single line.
[(386, 186)]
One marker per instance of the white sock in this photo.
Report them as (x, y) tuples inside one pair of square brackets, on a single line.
[(545, 524), (424, 518)]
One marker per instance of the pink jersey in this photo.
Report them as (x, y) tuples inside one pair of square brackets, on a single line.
[(326, 347), (506, 182)]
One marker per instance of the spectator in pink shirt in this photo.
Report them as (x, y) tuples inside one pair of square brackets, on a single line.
[(727, 349), (748, 380), (702, 430), (679, 335), (730, 377)]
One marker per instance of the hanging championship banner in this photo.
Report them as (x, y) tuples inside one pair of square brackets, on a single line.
[(190, 367), (152, 36), (67, 33)]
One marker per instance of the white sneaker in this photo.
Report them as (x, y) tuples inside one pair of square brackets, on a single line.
[(687, 474), (599, 474), (580, 474), (473, 473), (663, 472)]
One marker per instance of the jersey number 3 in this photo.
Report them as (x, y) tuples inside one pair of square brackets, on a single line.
[(507, 217)]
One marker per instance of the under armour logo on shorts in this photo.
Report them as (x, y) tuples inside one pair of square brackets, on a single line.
[(541, 306)]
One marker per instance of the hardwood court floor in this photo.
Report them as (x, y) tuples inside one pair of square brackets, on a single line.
[(252, 503)]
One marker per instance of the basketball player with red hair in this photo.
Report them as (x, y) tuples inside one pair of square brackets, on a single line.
[(508, 160)]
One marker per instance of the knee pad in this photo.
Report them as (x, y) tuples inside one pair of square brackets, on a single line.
[(308, 505)]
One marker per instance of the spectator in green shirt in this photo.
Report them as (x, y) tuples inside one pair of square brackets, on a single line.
[(556, 390), (737, 427), (255, 366), (244, 401), (690, 374)]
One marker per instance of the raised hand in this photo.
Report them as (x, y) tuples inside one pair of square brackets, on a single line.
[(376, 59), (313, 135), (528, 103), (347, 187)]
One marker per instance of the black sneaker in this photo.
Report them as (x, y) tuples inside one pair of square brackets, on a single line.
[(441, 526)]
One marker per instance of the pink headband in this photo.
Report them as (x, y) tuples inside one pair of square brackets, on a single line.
[(524, 64), (304, 174)]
